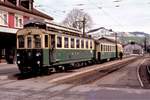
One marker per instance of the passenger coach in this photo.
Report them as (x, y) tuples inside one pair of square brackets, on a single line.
[(107, 49)]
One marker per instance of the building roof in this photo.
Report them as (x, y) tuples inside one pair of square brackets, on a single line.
[(110, 40), (94, 30), (21, 8)]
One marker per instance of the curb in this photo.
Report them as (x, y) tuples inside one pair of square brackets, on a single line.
[(138, 74)]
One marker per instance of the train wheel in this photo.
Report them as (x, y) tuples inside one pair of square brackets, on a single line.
[(59, 68), (45, 71)]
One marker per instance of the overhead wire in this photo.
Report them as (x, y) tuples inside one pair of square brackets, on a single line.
[(107, 14)]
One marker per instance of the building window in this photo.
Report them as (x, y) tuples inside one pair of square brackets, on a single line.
[(3, 18), (18, 21), (66, 43), (12, 1), (59, 42), (72, 43), (78, 43)]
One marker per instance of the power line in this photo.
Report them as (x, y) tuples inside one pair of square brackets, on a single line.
[(107, 14)]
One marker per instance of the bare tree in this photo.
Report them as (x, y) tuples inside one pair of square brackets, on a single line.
[(75, 19)]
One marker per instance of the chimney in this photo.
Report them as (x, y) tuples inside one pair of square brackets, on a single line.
[(18, 3)]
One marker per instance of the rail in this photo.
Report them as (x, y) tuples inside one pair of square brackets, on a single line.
[(148, 69)]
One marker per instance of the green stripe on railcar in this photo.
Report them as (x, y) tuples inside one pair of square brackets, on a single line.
[(107, 55), (46, 56), (67, 55)]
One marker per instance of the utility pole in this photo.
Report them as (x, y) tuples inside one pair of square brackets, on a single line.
[(145, 45), (116, 45), (84, 20)]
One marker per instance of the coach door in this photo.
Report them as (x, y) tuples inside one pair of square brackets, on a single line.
[(52, 49)]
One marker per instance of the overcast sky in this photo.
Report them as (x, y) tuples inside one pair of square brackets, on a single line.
[(125, 15)]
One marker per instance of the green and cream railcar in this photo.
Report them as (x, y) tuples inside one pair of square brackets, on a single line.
[(43, 46), (106, 49)]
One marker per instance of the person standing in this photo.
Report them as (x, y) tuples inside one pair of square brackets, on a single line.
[(120, 55)]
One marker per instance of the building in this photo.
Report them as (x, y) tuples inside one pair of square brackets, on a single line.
[(13, 14), (133, 48), (100, 32)]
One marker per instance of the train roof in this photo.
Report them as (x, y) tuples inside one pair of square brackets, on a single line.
[(51, 26), (108, 39)]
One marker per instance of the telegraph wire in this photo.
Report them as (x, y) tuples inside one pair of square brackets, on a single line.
[(107, 14)]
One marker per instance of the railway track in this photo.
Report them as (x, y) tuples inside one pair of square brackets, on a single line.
[(144, 73)]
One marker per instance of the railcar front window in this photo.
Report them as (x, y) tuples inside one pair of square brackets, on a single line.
[(29, 42), (21, 41), (37, 41), (46, 41)]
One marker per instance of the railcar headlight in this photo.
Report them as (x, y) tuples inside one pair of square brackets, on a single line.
[(38, 62), (18, 62), (18, 54), (38, 54)]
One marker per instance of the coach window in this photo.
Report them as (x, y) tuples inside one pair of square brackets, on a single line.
[(46, 41), (59, 42), (91, 44), (82, 43), (21, 41), (101, 47), (77, 43), (37, 41), (29, 42), (110, 48), (87, 44), (66, 42), (104, 49), (52, 39), (72, 43)]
